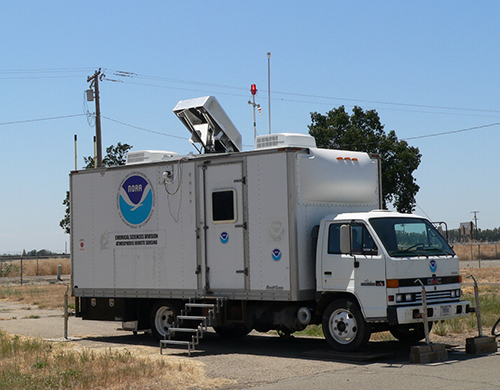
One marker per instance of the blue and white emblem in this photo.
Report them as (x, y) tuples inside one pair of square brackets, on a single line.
[(135, 199), (224, 237), (276, 254), (433, 265)]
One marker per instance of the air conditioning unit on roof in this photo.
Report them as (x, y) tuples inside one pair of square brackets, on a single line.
[(284, 140), (149, 156)]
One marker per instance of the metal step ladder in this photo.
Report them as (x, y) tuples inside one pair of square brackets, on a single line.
[(204, 322)]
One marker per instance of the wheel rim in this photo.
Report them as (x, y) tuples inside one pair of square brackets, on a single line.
[(164, 319), (343, 326)]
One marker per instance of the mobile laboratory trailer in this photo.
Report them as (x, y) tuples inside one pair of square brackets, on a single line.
[(276, 238)]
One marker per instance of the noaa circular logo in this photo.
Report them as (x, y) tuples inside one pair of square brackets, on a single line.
[(224, 237), (135, 199), (433, 265), (276, 254)]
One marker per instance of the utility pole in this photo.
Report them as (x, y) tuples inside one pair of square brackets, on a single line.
[(269, 86), (94, 82), (475, 221)]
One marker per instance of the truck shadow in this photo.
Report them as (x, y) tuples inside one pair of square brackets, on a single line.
[(263, 344)]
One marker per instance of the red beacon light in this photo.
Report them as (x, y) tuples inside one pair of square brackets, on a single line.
[(253, 89)]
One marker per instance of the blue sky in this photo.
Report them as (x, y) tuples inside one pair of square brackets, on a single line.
[(427, 67)]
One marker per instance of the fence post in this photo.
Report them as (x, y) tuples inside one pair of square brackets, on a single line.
[(479, 253), (37, 266), (21, 270)]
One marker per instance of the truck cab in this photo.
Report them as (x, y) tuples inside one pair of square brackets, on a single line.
[(371, 269)]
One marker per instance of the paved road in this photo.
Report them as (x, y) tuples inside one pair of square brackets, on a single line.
[(461, 374)]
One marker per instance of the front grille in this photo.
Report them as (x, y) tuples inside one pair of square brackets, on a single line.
[(434, 296)]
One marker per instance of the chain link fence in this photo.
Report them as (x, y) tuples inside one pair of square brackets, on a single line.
[(24, 267)]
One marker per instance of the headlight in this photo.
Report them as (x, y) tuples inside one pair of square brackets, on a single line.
[(408, 297)]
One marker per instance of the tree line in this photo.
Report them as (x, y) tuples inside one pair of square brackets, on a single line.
[(33, 253), (482, 235)]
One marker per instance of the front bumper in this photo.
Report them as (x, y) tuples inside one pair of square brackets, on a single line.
[(397, 315)]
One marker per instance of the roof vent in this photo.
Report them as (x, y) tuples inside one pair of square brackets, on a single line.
[(150, 156), (284, 140)]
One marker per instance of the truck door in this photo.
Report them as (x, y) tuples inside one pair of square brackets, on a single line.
[(224, 226), (361, 273)]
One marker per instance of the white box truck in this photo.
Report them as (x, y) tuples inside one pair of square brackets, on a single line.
[(280, 237)]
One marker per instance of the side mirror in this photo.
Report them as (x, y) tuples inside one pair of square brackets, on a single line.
[(345, 240)]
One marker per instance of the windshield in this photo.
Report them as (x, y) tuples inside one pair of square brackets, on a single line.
[(410, 237)]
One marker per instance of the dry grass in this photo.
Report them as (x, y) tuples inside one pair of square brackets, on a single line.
[(482, 275), (45, 297), (487, 251), (33, 268), (30, 363)]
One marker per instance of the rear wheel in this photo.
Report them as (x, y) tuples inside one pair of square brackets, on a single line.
[(344, 326), (162, 318), (410, 333)]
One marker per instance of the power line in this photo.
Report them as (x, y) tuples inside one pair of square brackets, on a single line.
[(452, 132), (143, 129), (213, 85), (16, 74), (292, 100), (22, 74), (40, 119)]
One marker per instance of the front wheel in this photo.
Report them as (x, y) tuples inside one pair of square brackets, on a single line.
[(344, 326)]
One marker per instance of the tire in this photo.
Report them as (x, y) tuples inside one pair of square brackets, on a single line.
[(410, 333), (344, 327), (163, 314), (495, 331), (233, 332)]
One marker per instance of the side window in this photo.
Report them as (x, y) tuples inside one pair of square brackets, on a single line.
[(334, 239), (224, 206), (362, 241)]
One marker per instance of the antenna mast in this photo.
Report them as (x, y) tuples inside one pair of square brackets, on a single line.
[(253, 90)]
